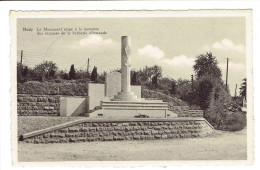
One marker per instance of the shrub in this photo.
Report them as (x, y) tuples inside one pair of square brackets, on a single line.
[(221, 112), (233, 122)]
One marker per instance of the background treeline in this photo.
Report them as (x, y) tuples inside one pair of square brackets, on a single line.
[(205, 90)]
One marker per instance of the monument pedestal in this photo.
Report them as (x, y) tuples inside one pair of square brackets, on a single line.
[(126, 96), (132, 109)]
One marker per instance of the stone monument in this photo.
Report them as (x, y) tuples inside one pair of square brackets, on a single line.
[(126, 104), (125, 94)]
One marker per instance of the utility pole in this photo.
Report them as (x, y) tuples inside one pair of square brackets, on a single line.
[(21, 57), (227, 74), (88, 68), (192, 81)]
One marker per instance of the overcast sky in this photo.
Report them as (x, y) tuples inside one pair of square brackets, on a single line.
[(172, 43)]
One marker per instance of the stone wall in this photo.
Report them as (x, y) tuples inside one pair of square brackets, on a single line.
[(34, 105), (196, 113), (183, 111), (122, 130)]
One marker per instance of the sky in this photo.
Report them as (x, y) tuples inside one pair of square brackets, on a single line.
[(170, 42)]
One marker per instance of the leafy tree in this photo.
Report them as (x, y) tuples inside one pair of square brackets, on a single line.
[(134, 78), (63, 75), (20, 75), (101, 77), (204, 89), (155, 81), (72, 73), (146, 75), (94, 74), (45, 70), (218, 109), (206, 64), (173, 88), (243, 88), (164, 85)]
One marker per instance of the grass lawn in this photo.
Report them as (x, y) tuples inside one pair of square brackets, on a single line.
[(31, 123)]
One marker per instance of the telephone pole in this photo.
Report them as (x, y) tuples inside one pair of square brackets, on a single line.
[(192, 81), (21, 57), (236, 91), (88, 68), (227, 74)]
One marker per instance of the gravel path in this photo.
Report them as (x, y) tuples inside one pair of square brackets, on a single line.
[(218, 146)]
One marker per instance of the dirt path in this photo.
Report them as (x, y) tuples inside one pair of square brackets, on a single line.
[(219, 146)]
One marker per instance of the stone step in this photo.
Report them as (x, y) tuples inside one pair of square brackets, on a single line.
[(134, 103), (134, 108)]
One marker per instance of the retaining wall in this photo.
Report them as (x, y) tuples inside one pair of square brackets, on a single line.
[(196, 113), (34, 105), (103, 130)]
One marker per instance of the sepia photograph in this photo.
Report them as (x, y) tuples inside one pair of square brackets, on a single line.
[(132, 86)]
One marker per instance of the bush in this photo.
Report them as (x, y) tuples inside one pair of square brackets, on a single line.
[(221, 112), (233, 122)]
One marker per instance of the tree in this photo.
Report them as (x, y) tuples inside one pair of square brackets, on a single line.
[(173, 88), (134, 78), (219, 103), (243, 88), (63, 75), (94, 74), (72, 73), (146, 75), (45, 70), (155, 81), (204, 89), (206, 64)]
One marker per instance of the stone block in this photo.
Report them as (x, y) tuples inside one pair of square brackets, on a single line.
[(137, 127), (84, 129), (129, 137), (57, 135), (154, 132), (128, 128), (69, 135), (161, 132), (136, 137), (108, 138), (164, 136), (147, 132), (73, 129), (118, 128), (143, 127), (63, 130), (157, 128), (118, 138), (167, 131), (157, 136), (100, 128), (169, 136), (93, 129)]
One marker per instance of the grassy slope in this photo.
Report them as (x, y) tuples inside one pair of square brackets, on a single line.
[(31, 123)]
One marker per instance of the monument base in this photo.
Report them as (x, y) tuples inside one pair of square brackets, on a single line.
[(130, 109), (126, 96)]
